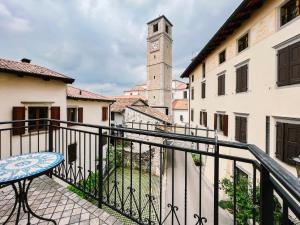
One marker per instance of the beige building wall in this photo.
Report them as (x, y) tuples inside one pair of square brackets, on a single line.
[(264, 97), (26, 92)]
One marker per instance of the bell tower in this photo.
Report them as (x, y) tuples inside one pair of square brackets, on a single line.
[(159, 64)]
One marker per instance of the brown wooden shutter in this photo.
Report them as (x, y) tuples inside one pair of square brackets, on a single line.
[(18, 114), (215, 121), (283, 66), (237, 128), (203, 90), (205, 118), (294, 63), (200, 118), (243, 133), (291, 142), (244, 81), (219, 85), (80, 115), (104, 113), (225, 122), (279, 140), (55, 115), (238, 80)]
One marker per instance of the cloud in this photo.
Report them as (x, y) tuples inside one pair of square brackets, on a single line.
[(11, 22), (102, 44)]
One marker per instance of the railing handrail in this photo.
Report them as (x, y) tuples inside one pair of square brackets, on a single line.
[(290, 182)]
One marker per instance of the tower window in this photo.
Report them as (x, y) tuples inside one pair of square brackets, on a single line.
[(167, 29), (154, 77), (155, 27)]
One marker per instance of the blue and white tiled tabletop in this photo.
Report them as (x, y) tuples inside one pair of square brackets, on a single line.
[(27, 165)]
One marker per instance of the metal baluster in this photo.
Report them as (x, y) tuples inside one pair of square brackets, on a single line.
[(254, 195), (100, 169), (131, 192), (216, 185), (172, 187), (161, 166), (140, 181), (115, 172), (185, 187), (150, 184), (234, 192)]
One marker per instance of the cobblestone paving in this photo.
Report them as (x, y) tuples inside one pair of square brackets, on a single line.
[(49, 199)]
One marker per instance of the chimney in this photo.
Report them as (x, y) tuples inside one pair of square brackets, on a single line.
[(25, 60)]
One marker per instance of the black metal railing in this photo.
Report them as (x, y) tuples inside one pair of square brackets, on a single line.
[(171, 128), (156, 177)]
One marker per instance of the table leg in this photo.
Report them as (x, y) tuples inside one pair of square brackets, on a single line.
[(22, 202)]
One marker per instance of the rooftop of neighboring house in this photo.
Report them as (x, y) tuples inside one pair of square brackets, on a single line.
[(179, 85), (139, 104), (180, 104), (26, 68), (151, 112), (121, 102), (242, 13), (80, 94)]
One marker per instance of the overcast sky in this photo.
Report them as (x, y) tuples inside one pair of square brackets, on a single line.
[(102, 43)]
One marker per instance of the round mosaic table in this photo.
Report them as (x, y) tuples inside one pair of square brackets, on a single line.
[(19, 171)]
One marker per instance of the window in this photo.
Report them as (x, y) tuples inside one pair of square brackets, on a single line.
[(155, 27), (242, 79), (37, 113), (185, 94), (192, 79), (104, 113), (112, 116), (167, 29), (241, 129), (221, 123), (287, 141), (181, 118), (167, 111), (243, 43), (222, 57), (153, 77), (221, 84), (192, 115), (75, 115), (203, 70), (203, 87), (203, 118), (289, 65), (72, 114), (289, 11), (192, 93)]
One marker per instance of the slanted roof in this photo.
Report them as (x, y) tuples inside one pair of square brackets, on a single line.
[(80, 94), (180, 85), (242, 13), (138, 87), (121, 102), (28, 69), (151, 112), (180, 104), (160, 17)]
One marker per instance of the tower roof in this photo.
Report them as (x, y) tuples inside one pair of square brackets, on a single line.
[(160, 17)]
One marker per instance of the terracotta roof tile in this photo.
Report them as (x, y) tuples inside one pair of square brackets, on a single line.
[(77, 93), (180, 104), (29, 69), (123, 101), (152, 112)]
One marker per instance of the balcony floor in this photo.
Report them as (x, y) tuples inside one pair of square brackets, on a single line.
[(49, 199)]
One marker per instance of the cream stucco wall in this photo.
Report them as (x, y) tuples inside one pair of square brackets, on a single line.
[(176, 116), (27, 91), (263, 97)]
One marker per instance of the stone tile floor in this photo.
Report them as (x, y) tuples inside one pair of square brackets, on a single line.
[(49, 199)]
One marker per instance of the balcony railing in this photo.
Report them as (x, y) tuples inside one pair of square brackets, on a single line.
[(149, 177)]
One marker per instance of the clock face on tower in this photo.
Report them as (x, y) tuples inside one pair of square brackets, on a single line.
[(154, 46)]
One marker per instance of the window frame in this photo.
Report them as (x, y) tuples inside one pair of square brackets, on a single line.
[(192, 93), (279, 20), (203, 93), (76, 113), (37, 122), (220, 54), (239, 38)]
